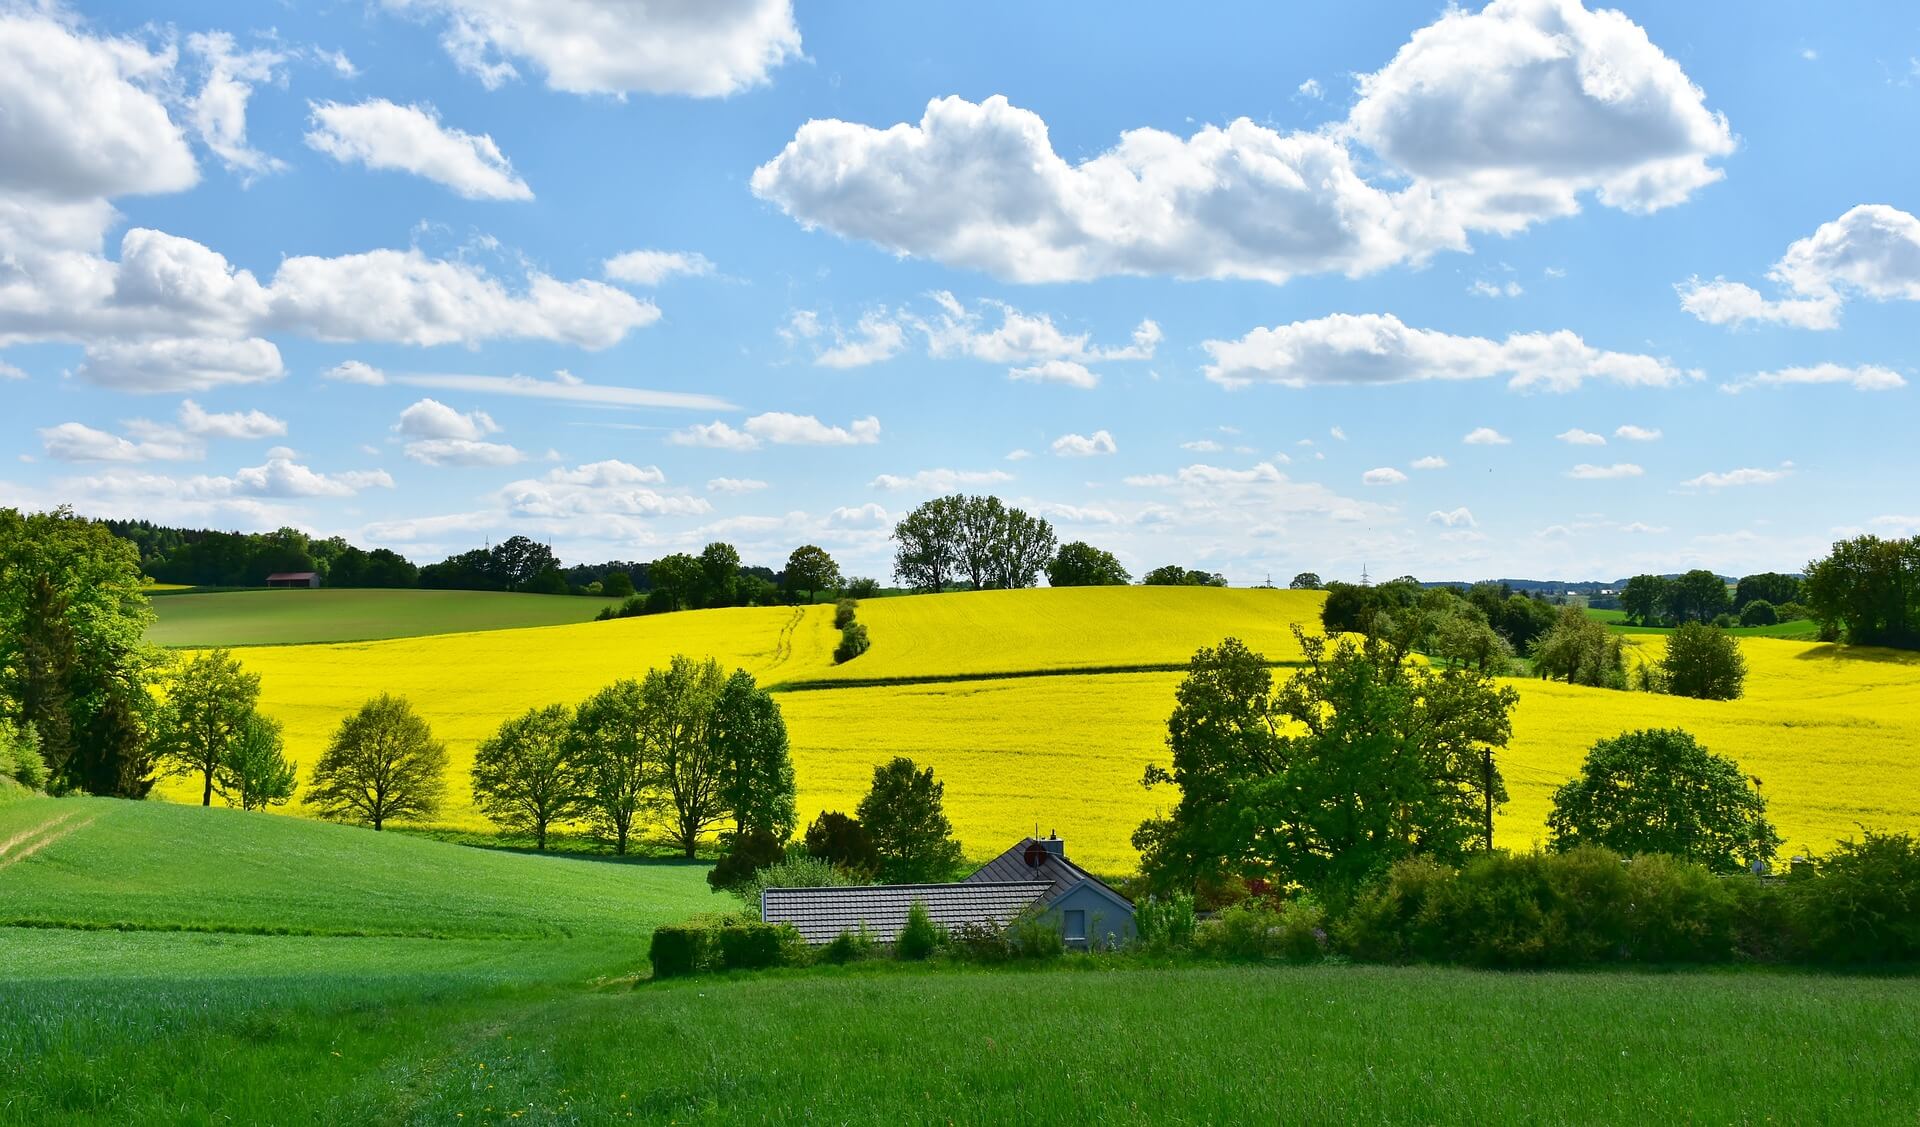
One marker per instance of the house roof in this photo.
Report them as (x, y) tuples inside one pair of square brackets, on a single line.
[(1053, 868), (821, 914), (291, 575)]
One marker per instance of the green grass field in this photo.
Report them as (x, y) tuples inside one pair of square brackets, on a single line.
[(526, 1008), (268, 618), (1805, 629)]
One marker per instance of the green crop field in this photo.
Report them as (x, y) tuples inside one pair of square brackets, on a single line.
[(1804, 629), (292, 617)]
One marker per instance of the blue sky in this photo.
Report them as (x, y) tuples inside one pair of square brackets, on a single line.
[(1527, 288)]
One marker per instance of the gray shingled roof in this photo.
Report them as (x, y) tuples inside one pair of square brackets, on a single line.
[(821, 914)]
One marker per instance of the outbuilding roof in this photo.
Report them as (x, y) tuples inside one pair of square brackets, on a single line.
[(821, 914), (291, 575)]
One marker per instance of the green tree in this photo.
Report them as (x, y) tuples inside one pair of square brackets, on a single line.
[(811, 569), (1644, 599), (1703, 662), (927, 544), (20, 755), (618, 584), (1659, 791), (677, 711), (750, 739), (382, 763), (1867, 590), (1697, 596), (981, 539), (842, 842), (1359, 760), (1770, 586), (1026, 544), (608, 747), (675, 578), (1581, 651), (1463, 638), (74, 664), (1173, 575), (1080, 564), (903, 813), (719, 574), (547, 581), (523, 777), (1305, 581), (209, 701), (1759, 612), (255, 772)]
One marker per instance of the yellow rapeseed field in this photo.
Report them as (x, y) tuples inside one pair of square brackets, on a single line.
[(1833, 734)]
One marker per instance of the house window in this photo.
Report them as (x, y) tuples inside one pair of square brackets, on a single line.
[(1076, 925)]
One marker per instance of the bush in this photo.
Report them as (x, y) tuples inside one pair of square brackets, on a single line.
[(843, 614), (1034, 936), (20, 755), (1864, 904), (850, 947), (1659, 791), (1302, 935), (633, 607), (746, 855), (1253, 929), (1704, 662), (919, 937), (751, 946), (1165, 923), (798, 870), (1759, 612), (1791, 612), (853, 643), (1395, 920), (842, 840), (678, 951), (861, 588), (1679, 912), (979, 943)]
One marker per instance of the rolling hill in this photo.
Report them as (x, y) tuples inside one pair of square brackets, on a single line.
[(257, 618)]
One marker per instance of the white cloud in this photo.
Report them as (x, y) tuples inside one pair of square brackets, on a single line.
[(1486, 436), (1746, 476), (611, 491), (1641, 528), (1085, 445), (1487, 121), (1069, 372), (353, 371), (1864, 377), (282, 477), (1337, 433), (430, 418), (1383, 475), (652, 267), (462, 452), (1203, 446), (1377, 348), (219, 111), (717, 435), (9, 372), (77, 442), (1483, 288), (381, 135), (940, 480), (877, 337), (1586, 472), (870, 515), (783, 429), (619, 46), (1310, 89), (735, 485), (82, 118), (1019, 455), (1634, 433), (233, 424), (173, 364), (1430, 462), (1578, 437), (561, 390), (1461, 517), (1872, 251)]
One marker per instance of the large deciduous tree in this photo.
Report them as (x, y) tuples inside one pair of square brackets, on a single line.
[(1703, 662), (676, 579), (382, 763), (74, 664), (1697, 596), (1767, 586), (1359, 760), (719, 574), (1659, 791), (523, 777), (1867, 590), (608, 746), (1080, 564), (1581, 651), (811, 569), (926, 544), (209, 701), (903, 814), (677, 708), (255, 773), (1644, 599), (750, 738)]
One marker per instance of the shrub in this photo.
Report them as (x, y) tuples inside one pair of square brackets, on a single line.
[(746, 855), (1759, 612), (1723, 621), (919, 937), (1033, 935), (850, 947), (1395, 920), (979, 943), (1165, 923), (843, 614), (1679, 912), (798, 870), (1791, 612), (1659, 791), (751, 946), (1302, 935), (20, 755), (1764, 927), (678, 951), (842, 840), (1254, 929), (853, 643), (633, 607), (1864, 906), (860, 587)]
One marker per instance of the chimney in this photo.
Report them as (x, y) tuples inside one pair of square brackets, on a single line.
[(1052, 844)]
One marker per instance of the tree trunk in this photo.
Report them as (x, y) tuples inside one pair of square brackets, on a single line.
[(540, 836), (206, 795)]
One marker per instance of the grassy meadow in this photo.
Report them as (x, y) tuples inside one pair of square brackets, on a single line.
[(327, 614), (1803, 628), (997, 692)]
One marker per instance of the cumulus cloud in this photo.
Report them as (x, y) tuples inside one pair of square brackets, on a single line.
[(1383, 475), (1486, 436), (1745, 476), (1872, 251), (1430, 462), (1072, 373), (9, 372), (1085, 445), (612, 491), (283, 477), (382, 135), (778, 428), (1487, 121), (652, 267), (618, 46), (717, 435), (430, 418), (1586, 472), (463, 452), (77, 442), (231, 424), (1578, 437), (175, 364), (735, 485), (1461, 517), (1377, 348), (940, 480), (877, 337), (1634, 433), (219, 111), (353, 371), (1863, 377)]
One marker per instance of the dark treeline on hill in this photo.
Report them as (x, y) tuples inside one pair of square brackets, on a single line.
[(206, 558)]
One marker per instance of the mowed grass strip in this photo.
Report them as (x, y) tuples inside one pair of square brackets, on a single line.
[(99, 863), (300, 616)]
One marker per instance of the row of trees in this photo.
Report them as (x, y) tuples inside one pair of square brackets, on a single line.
[(1867, 591), (206, 558), (1363, 759), (976, 541)]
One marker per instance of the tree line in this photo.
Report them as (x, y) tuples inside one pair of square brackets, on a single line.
[(981, 543)]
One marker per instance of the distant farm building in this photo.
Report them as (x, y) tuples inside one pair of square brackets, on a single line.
[(1034, 877), (294, 579)]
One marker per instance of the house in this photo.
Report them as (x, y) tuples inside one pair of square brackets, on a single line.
[(1032, 877), (293, 579)]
